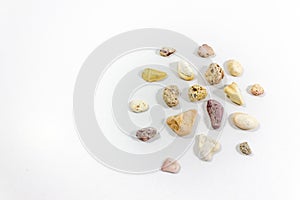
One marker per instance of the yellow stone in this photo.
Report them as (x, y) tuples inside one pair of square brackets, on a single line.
[(233, 93), (152, 75), (182, 124)]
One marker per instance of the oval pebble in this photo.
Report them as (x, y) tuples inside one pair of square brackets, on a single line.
[(138, 106), (244, 121)]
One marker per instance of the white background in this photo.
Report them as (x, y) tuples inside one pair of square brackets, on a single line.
[(42, 47)]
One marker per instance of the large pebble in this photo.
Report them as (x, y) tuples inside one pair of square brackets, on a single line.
[(146, 134), (197, 93), (182, 124), (138, 106), (170, 95), (152, 75), (233, 93), (244, 121), (205, 51), (207, 147), (170, 165), (215, 111), (234, 67), (185, 71), (214, 74)]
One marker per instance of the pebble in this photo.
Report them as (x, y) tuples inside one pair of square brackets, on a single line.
[(215, 111), (245, 149), (257, 90), (234, 67), (197, 93), (207, 147), (146, 134), (152, 75), (170, 165), (214, 74), (233, 93), (205, 51), (185, 71), (182, 124), (170, 95), (138, 106), (244, 121), (167, 51)]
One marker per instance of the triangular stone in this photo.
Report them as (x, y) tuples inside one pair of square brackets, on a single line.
[(233, 93), (152, 75)]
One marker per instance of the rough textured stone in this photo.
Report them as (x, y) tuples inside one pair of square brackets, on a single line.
[(170, 165), (167, 51), (214, 74), (207, 147), (138, 106), (234, 67), (146, 134), (152, 75), (244, 121), (205, 51), (245, 149), (185, 71), (182, 124), (197, 93), (233, 93), (215, 111), (170, 95), (257, 90)]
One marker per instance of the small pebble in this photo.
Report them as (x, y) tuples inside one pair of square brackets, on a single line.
[(233, 93), (215, 111), (205, 51), (152, 75), (257, 90), (185, 71), (207, 147), (245, 149), (197, 93), (167, 51), (146, 134), (171, 95), (138, 106), (171, 165)]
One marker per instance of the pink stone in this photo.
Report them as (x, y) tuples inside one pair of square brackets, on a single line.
[(170, 165)]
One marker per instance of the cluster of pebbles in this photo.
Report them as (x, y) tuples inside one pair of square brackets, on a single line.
[(182, 123)]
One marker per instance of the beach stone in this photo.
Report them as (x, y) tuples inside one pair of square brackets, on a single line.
[(152, 75), (207, 147), (215, 111), (185, 71), (257, 89), (167, 51), (182, 124), (233, 93), (146, 134), (197, 93), (138, 106), (205, 51), (170, 95), (244, 121), (234, 67), (245, 148), (214, 74), (170, 165)]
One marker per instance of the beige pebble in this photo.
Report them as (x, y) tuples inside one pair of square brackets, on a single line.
[(185, 71), (197, 93), (234, 67), (205, 51), (167, 51), (257, 90), (214, 74), (152, 75), (233, 93), (171, 95), (245, 148), (244, 121), (138, 106)]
